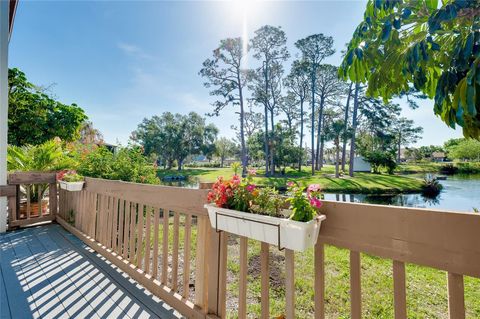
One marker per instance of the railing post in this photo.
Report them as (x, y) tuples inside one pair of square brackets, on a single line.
[(217, 273), (52, 198)]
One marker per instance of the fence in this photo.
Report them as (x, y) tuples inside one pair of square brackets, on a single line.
[(32, 198), (162, 237)]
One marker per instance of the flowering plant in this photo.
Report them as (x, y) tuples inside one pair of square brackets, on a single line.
[(304, 208), (243, 195), (69, 176)]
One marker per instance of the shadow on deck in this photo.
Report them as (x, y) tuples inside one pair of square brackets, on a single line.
[(47, 272)]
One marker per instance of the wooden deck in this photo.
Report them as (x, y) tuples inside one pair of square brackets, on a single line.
[(46, 272)]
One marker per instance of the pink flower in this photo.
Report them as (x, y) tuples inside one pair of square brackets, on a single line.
[(251, 187), (314, 188), (315, 202), (290, 184), (252, 171)]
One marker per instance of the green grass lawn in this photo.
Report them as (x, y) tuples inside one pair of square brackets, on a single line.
[(361, 183), (426, 287)]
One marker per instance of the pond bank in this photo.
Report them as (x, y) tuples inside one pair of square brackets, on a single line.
[(362, 183)]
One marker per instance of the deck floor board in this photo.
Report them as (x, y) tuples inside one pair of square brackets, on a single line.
[(46, 272)]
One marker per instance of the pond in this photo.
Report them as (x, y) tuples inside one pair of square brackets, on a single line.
[(460, 193)]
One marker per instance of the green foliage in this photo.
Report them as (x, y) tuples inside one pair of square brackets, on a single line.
[(174, 137), (127, 164), (236, 166), (431, 186), (35, 117), (467, 149), (224, 147), (380, 159), (72, 178), (48, 156), (301, 205), (45, 157), (268, 201), (408, 44)]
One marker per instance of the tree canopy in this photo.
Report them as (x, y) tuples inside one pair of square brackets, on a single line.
[(421, 45), (35, 117), (174, 137)]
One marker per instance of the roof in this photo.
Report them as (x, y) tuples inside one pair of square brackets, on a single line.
[(11, 16), (438, 154)]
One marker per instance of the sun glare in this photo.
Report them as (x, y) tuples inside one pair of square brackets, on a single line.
[(243, 9)]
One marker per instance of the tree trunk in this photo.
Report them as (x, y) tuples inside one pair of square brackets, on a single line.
[(313, 78), (272, 150), (300, 162), (319, 134), (354, 129), (399, 147), (320, 158), (242, 119), (222, 158), (344, 146), (179, 162), (267, 158), (337, 157)]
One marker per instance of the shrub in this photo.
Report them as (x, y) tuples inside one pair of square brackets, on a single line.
[(378, 159), (431, 186), (128, 164)]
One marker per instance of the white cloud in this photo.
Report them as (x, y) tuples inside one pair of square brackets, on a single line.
[(134, 51)]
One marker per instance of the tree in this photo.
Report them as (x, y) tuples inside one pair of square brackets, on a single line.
[(334, 132), (329, 90), (269, 46), (224, 147), (409, 43), (89, 134), (175, 136), (225, 74), (34, 117), (314, 48), (345, 123), (289, 107), (298, 82), (467, 149), (406, 133)]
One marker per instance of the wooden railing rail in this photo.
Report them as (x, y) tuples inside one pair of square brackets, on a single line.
[(162, 237), (158, 235), (443, 240), (23, 210)]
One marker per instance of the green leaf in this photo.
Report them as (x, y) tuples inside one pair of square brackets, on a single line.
[(432, 4), (387, 28)]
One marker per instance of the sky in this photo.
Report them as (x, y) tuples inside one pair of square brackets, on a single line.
[(122, 61)]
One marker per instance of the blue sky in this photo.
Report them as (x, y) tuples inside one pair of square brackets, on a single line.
[(123, 61)]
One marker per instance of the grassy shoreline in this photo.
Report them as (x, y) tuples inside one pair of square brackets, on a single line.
[(366, 183)]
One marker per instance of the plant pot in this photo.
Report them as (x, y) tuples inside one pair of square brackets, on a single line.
[(34, 209), (71, 186), (282, 232)]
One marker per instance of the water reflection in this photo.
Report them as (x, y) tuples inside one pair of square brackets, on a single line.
[(460, 193)]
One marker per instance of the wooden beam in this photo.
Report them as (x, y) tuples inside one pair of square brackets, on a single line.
[(18, 178), (438, 239)]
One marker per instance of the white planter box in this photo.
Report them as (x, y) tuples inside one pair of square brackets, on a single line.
[(282, 232), (71, 186)]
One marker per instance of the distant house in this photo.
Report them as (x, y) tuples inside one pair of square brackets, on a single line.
[(439, 157), (361, 165)]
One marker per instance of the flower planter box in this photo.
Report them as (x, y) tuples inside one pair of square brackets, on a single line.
[(71, 186), (282, 232)]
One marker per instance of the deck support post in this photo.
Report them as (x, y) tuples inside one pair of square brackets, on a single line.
[(4, 34)]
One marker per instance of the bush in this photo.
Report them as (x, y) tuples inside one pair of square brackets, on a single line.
[(378, 159), (431, 186), (128, 164)]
